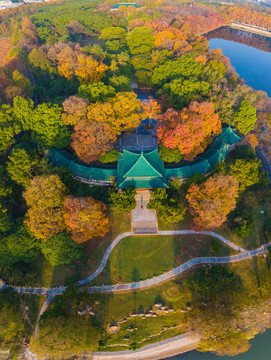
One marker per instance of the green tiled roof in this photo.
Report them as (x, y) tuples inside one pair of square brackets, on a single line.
[(125, 4), (63, 158), (143, 170), (206, 162)]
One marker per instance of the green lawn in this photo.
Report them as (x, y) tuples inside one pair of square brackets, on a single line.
[(254, 283), (140, 257), (93, 251), (254, 199)]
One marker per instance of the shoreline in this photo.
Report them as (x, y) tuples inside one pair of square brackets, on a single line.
[(250, 29), (163, 349)]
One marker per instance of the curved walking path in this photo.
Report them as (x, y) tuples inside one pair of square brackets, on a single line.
[(244, 254)]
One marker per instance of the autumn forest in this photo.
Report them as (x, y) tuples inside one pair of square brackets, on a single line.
[(72, 75)]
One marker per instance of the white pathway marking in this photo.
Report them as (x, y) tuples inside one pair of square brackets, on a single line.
[(245, 254)]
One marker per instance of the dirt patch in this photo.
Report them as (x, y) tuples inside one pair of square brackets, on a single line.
[(4, 49)]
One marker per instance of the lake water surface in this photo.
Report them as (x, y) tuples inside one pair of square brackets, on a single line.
[(251, 63), (251, 58), (260, 350)]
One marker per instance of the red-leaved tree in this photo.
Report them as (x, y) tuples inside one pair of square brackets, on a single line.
[(190, 129)]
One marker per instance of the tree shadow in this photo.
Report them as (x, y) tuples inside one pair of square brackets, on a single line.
[(256, 272), (135, 275)]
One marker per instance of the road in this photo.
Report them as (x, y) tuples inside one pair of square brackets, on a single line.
[(244, 254)]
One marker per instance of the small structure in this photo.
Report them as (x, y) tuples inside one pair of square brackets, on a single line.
[(143, 170), (116, 7)]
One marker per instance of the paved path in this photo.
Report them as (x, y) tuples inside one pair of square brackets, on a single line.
[(178, 271), (245, 254), (143, 220), (159, 350)]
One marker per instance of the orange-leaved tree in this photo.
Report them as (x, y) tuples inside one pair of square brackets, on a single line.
[(212, 201), (122, 112), (91, 139), (85, 217), (190, 129), (44, 197), (74, 109)]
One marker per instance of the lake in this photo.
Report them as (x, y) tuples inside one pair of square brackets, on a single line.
[(251, 57), (260, 350)]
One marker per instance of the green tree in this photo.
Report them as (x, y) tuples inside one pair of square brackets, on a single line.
[(96, 91), (183, 67), (113, 33), (172, 212), (246, 172), (23, 245), (20, 166), (245, 117), (170, 155), (182, 91), (44, 121), (140, 40), (9, 127), (38, 59), (48, 129), (23, 82), (12, 325), (110, 156), (159, 199), (5, 219), (124, 200), (208, 283), (60, 249), (120, 83)]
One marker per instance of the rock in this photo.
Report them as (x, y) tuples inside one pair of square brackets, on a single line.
[(158, 305), (148, 314), (123, 320), (166, 311), (134, 314), (163, 307), (126, 337), (82, 312), (143, 317), (113, 327), (154, 315)]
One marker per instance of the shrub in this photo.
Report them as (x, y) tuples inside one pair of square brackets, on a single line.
[(170, 155), (110, 156), (124, 200)]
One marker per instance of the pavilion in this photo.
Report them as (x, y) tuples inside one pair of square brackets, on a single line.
[(143, 170)]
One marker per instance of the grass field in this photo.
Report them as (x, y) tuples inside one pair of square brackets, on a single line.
[(253, 283), (255, 200), (140, 257), (93, 251)]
